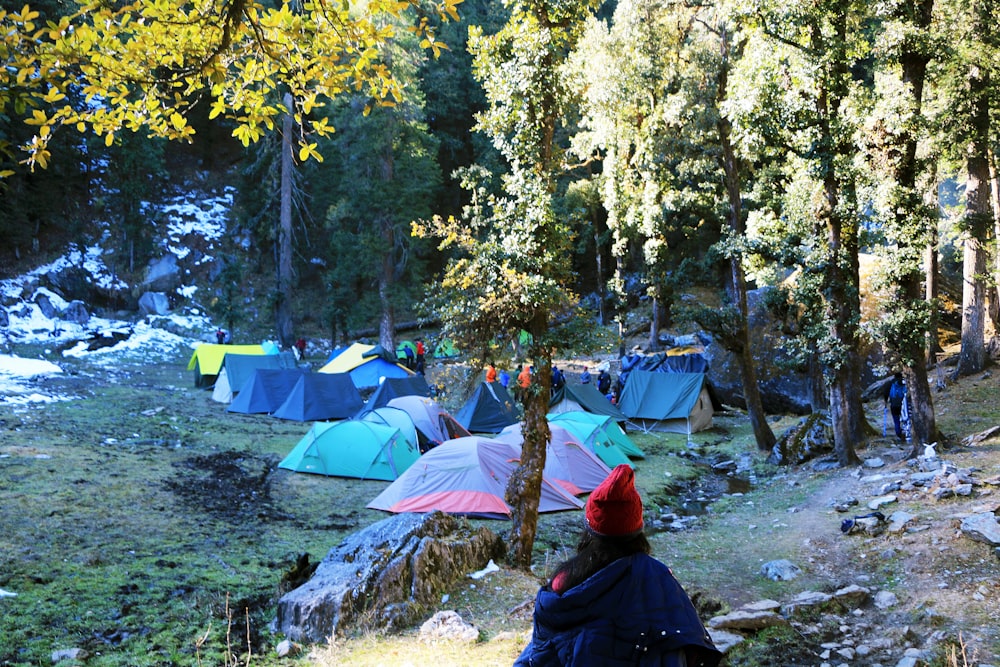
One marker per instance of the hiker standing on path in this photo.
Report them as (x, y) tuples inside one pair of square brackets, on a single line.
[(613, 603), (585, 376), (421, 351), (894, 396), (491, 372)]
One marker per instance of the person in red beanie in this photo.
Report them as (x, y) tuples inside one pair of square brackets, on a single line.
[(612, 602)]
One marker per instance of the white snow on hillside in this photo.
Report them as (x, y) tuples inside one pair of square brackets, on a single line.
[(194, 214)]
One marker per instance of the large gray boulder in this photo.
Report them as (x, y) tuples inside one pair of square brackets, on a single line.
[(385, 576), (154, 303), (76, 312), (162, 275)]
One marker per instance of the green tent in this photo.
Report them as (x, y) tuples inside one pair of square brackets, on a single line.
[(445, 349), (360, 449), (599, 428), (584, 398)]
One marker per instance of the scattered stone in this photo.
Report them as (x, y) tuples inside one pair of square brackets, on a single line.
[(845, 504), (874, 462), (876, 503), (286, 647), (942, 492), (780, 570), (746, 620), (982, 527), (154, 303), (886, 599), (853, 595), (723, 639), (898, 521), (762, 605), (804, 599), (448, 625), (70, 654)]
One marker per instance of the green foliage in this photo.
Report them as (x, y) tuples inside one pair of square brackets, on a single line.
[(135, 172), (381, 175)]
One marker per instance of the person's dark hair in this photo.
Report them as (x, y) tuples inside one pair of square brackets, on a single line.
[(594, 553)]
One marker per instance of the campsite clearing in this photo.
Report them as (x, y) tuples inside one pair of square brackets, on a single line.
[(147, 525)]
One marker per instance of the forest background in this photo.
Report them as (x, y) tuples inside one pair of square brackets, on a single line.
[(487, 170)]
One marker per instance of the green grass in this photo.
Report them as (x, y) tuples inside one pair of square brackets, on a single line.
[(145, 524)]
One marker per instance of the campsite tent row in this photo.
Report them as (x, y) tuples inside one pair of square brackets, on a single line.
[(463, 475), (380, 443)]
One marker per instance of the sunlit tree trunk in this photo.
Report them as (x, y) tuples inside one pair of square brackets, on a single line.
[(932, 272), (737, 287), (994, 299), (978, 217), (524, 488)]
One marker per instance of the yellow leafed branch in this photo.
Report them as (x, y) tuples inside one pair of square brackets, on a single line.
[(145, 64)]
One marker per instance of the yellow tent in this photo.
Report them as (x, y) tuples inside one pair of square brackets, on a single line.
[(350, 358), (207, 360), (365, 365)]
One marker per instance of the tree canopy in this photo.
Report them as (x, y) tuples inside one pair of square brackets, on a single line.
[(106, 67)]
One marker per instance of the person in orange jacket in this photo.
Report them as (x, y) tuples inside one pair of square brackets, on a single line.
[(491, 372)]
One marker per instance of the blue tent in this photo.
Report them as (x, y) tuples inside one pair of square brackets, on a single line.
[(320, 397), (489, 410), (265, 390), (413, 385)]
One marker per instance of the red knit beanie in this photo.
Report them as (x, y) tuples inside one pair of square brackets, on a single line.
[(614, 509)]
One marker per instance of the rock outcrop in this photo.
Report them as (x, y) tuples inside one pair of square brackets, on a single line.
[(385, 576)]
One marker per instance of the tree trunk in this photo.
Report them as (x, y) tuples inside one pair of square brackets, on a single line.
[(602, 295), (932, 274), (841, 294), (994, 300), (525, 484), (737, 287), (655, 325), (283, 302), (972, 357), (387, 276)]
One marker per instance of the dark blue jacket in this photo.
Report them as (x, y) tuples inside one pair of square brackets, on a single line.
[(633, 612)]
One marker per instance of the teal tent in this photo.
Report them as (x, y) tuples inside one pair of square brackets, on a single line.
[(598, 431), (360, 449), (585, 398), (670, 402)]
